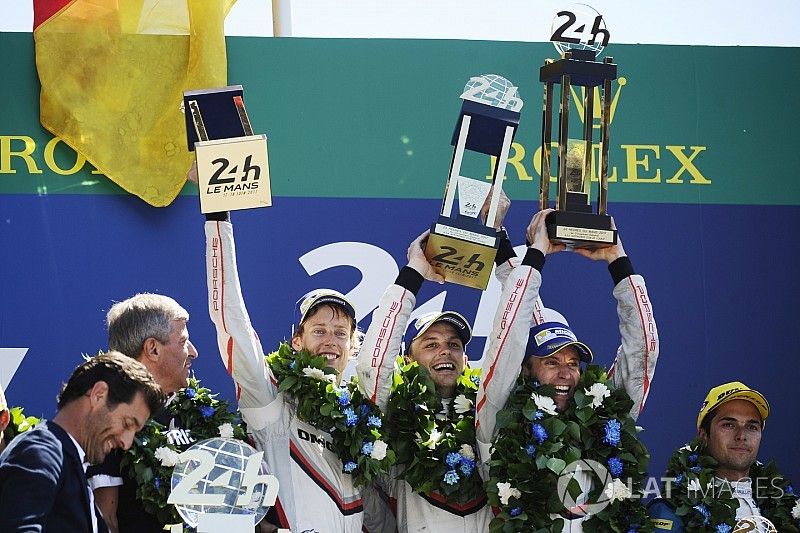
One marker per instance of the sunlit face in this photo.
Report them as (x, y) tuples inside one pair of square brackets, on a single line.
[(562, 370), (441, 351), (107, 429), (175, 358), (734, 439), (329, 332)]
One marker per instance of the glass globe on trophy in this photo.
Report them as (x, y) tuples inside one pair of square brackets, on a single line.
[(222, 476)]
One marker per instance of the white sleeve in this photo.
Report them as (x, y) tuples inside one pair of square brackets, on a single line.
[(238, 343), (635, 364), (382, 343), (501, 367)]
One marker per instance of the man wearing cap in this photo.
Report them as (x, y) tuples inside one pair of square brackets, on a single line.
[(314, 494), (436, 341), (729, 425), (548, 350)]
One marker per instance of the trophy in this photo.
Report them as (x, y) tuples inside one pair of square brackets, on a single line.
[(579, 39), (461, 247), (222, 485), (232, 162)]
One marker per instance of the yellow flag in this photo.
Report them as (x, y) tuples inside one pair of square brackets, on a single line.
[(113, 74)]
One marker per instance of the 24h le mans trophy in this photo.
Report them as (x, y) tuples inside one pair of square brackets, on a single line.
[(579, 36), (460, 246)]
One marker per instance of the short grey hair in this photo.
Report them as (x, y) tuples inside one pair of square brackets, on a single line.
[(145, 315)]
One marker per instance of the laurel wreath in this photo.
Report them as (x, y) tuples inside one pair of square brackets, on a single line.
[(691, 472), (354, 423), (201, 413), (534, 444), (435, 448)]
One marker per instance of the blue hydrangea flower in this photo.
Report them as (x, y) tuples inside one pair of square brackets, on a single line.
[(374, 421), (451, 477), (723, 528), (696, 469), (350, 418), (615, 465), (365, 409), (366, 448), (703, 510), (475, 380), (190, 392), (207, 411), (293, 364), (344, 397), (157, 483), (634, 528), (530, 449), (693, 458), (453, 458), (790, 490), (349, 466), (538, 415), (536, 384), (516, 511), (539, 433), (612, 428), (679, 479), (466, 466)]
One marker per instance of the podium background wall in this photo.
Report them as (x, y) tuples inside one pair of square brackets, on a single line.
[(359, 142)]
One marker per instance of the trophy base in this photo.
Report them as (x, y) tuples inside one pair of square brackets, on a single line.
[(462, 252), (580, 230)]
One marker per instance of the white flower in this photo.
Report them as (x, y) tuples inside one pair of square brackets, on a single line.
[(597, 391), (226, 431), (467, 451), (462, 404), (434, 440), (167, 456), (617, 490), (693, 485), (796, 510), (378, 450), (317, 373), (505, 491), (685, 448), (544, 403)]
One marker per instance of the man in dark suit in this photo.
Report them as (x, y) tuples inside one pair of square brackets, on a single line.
[(43, 484)]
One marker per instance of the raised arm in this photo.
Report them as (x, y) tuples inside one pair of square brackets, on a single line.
[(384, 338), (635, 362), (238, 343), (512, 322)]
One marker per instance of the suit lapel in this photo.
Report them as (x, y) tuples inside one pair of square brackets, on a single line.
[(73, 461)]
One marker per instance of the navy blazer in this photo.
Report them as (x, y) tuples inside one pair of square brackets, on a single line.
[(43, 485)]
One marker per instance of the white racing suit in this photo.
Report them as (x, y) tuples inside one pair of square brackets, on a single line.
[(314, 494), (376, 359), (520, 308)]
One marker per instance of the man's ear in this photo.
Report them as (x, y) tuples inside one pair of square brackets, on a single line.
[(5, 418), (701, 433), (297, 345), (150, 348), (98, 393)]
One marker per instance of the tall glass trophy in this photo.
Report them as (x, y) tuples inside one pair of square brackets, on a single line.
[(580, 36), (461, 247)]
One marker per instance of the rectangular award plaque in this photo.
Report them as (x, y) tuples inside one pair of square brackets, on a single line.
[(232, 162)]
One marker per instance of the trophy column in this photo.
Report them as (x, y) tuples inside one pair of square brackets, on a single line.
[(573, 222)]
